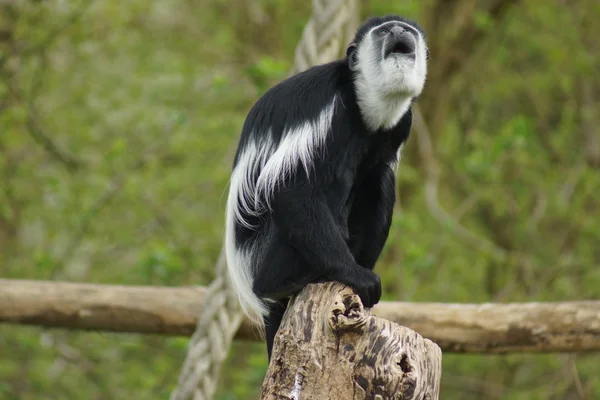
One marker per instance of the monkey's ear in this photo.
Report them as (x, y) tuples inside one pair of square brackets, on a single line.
[(352, 57)]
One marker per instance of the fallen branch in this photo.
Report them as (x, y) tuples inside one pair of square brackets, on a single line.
[(330, 347), (459, 328)]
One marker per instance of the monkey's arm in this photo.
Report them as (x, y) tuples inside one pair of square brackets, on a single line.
[(303, 217), (371, 216)]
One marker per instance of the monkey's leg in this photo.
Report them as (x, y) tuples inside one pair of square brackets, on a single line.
[(272, 322)]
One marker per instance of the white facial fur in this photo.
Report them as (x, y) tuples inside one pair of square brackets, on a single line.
[(385, 86)]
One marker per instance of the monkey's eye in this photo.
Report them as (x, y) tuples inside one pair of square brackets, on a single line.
[(382, 31)]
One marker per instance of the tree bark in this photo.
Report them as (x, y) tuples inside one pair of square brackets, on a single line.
[(330, 347), (457, 328)]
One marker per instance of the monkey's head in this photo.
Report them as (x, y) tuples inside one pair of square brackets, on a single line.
[(389, 55)]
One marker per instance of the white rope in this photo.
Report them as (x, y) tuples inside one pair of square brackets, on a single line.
[(324, 38), (327, 33)]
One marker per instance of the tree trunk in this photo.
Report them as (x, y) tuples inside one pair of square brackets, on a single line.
[(330, 347)]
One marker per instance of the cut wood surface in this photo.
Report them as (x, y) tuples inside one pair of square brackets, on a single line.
[(329, 347), (489, 328)]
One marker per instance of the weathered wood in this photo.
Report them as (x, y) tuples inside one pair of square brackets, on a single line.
[(143, 309), (464, 328), (502, 328), (330, 347)]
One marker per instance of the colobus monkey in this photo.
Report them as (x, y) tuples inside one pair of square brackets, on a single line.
[(313, 181)]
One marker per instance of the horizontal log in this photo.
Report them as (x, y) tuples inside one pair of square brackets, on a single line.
[(502, 328), (458, 328)]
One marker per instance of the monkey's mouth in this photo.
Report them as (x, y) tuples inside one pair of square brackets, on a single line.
[(401, 45)]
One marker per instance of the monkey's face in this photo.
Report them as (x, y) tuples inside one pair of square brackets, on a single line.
[(393, 57)]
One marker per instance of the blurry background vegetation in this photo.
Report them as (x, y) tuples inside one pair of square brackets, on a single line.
[(118, 124)]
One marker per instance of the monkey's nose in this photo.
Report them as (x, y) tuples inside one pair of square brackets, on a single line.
[(397, 30)]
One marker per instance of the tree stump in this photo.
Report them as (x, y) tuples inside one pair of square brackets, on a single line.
[(330, 347)]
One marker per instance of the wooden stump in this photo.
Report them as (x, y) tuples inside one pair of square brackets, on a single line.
[(330, 347)]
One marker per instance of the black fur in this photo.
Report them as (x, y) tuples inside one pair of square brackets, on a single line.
[(375, 21), (329, 225)]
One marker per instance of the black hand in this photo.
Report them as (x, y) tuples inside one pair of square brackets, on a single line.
[(365, 282)]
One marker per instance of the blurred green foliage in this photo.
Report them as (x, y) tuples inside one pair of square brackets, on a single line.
[(118, 125)]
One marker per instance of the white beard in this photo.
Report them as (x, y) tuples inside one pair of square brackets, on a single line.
[(386, 86)]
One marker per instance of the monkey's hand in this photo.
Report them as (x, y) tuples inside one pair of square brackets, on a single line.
[(364, 281)]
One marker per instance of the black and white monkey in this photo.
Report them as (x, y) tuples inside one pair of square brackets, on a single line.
[(313, 182)]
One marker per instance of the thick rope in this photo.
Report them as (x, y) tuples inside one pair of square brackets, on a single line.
[(218, 322), (324, 38), (327, 33)]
